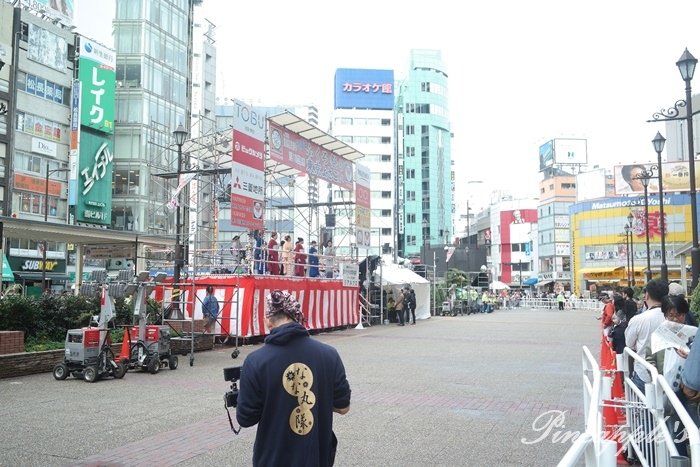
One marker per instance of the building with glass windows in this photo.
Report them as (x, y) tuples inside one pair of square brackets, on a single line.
[(424, 158), (154, 45), (363, 117), (557, 194), (601, 255)]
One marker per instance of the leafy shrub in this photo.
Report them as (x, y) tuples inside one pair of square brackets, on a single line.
[(695, 303), (39, 345), (19, 313), (46, 319)]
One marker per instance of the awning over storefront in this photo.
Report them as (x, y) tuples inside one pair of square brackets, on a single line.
[(37, 276), (683, 250), (543, 283), (601, 270), (7, 275)]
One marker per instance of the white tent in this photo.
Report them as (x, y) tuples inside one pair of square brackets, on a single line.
[(394, 277)]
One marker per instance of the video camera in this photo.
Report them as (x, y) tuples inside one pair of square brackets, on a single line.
[(232, 374)]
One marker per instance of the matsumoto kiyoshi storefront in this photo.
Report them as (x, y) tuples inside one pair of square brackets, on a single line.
[(600, 256)]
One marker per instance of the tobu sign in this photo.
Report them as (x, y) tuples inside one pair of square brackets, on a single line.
[(248, 168)]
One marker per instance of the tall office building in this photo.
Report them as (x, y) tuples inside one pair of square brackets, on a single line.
[(363, 117), (424, 157), (154, 64)]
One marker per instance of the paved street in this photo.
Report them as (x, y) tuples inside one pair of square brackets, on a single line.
[(450, 391)]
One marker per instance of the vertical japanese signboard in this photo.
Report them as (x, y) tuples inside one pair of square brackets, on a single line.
[(95, 182), (92, 127), (363, 212), (73, 161), (248, 168), (97, 75)]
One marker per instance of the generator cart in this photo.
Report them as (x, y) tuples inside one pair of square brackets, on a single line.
[(88, 353), (149, 344)]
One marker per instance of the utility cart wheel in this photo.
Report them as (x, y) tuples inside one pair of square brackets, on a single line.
[(119, 371), (235, 353), (90, 374), (154, 365), (172, 362), (60, 371)]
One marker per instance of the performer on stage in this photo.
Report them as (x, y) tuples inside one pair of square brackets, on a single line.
[(299, 258), (288, 256), (259, 253), (313, 259), (328, 261), (273, 265)]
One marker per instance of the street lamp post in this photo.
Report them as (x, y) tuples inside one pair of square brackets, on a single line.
[(629, 226), (627, 247), (686, 65), (659, 142), (520, 267), (645, 176), (46, 219), (180, 134), (426, 225)]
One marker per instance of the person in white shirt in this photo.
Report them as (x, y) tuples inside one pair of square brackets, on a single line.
[(641, 327)]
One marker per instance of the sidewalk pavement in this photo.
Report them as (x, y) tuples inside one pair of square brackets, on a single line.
[(502, 389)]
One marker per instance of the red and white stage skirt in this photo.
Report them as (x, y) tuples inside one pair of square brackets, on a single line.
[(326, 303)]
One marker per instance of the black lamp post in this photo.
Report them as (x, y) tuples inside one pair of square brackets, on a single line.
[(180, 135), (426, 226), (520, 267), (645, 176), (629, 227), (46, 219), (629, 255), (659, 142), (686, 65)]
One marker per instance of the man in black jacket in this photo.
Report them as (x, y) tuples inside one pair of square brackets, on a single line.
[(411, 304), (290, 388), (630, 305)]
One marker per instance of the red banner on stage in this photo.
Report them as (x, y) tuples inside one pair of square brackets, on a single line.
[(299, 153)]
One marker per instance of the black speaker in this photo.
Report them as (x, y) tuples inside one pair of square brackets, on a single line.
[(330, 220)]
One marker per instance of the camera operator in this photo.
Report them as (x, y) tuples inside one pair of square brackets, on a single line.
[(290, 388)]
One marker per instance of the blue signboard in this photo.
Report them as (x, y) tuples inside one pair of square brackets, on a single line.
[(364, 89)]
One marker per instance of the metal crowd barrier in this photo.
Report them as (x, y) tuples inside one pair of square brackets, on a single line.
[(647, 429), (571, 304), (590, 444)]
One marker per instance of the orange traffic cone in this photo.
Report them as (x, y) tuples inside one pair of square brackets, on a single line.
[(124, 352), (613, 410)]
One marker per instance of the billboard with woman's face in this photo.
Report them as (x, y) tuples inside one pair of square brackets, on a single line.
[(675, 177)]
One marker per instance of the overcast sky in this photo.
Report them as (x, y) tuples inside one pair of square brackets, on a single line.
[(520, 72)]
